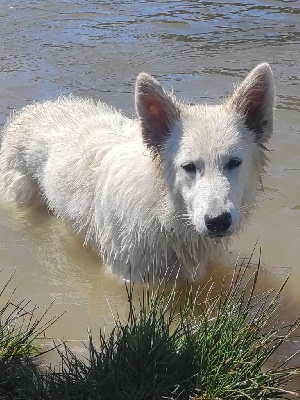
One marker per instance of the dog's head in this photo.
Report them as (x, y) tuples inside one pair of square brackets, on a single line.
[(211, 157)]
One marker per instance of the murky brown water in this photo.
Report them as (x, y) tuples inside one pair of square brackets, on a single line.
[(201, 49)]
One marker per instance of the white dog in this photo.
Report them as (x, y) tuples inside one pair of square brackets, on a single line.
[(165, 189)]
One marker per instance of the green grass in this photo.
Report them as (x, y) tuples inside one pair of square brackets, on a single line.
[(174, 346), (16, 339), (19, 329)]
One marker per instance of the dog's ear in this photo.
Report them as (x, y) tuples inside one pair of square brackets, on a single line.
[(156, 109), (254, 100)]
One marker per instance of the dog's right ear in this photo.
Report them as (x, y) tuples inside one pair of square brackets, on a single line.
[(156, 109)]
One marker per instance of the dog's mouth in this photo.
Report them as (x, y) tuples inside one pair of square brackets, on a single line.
[(218, 235)]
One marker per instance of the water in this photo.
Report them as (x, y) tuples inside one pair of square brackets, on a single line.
[(201, 49)]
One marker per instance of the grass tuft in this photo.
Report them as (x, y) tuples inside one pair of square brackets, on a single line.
[(19, 329), (178, 346)]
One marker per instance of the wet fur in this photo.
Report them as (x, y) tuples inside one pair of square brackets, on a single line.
[(120, 182)]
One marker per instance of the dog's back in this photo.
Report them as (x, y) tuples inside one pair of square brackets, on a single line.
[(68, 130)]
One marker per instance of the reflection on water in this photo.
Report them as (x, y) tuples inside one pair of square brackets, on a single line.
[(97, 49)]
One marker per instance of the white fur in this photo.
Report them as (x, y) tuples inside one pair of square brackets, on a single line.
[(121, 182)]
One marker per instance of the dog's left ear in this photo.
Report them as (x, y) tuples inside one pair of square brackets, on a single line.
[(156, 109), (254, 99)]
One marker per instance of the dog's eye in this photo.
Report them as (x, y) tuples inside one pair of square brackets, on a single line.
[(189, 167), (234, 163)]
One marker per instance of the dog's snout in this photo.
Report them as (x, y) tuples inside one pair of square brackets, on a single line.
[(218, 224)]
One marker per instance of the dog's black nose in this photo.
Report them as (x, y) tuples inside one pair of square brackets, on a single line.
[(218, 224)]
